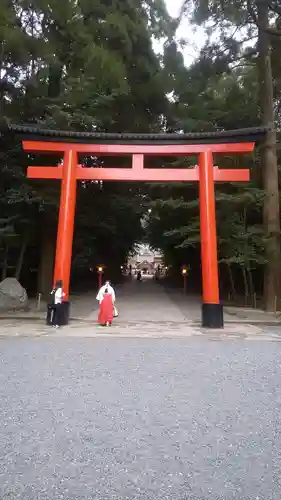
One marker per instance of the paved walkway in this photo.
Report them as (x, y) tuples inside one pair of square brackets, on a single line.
[(149, 302), (144, 301), (145, 309)]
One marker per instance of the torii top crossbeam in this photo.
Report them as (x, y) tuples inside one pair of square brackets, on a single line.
[(138, 146), (34, 132), (137, 172)]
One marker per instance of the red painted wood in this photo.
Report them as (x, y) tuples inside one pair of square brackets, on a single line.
[(66, 221), (145, 175), (231, 175), (99, 280), (138, 174), (208, 231), (137, 163), (117, 174), (145, 149), (44, 172)]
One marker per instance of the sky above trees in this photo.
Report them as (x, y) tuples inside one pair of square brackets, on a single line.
[(194, 37)]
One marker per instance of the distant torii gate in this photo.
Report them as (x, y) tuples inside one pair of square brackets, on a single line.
[(205, 173)]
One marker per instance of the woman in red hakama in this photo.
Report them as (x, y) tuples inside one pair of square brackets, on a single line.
[(106, 309)]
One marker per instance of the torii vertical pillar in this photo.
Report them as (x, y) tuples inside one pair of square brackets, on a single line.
[(212, 310), (66, 221)]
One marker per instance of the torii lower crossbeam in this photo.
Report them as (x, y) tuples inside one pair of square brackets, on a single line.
[(205, 173)]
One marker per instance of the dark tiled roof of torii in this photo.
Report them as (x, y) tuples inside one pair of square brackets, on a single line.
[(35, 132)]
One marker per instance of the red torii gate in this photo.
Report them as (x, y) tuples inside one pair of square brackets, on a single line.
[(205, 173)]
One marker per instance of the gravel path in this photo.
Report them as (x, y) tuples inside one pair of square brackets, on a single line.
[(135, 419)]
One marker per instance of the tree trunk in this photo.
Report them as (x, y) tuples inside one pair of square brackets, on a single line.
[(251, 284), (55, 76), (232, 285), (5, 262), (23, 248), (246, 286), (271, 213)]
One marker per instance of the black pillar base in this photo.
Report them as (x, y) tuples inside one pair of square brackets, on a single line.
[(50, 314), (64, 314), (212, 315)]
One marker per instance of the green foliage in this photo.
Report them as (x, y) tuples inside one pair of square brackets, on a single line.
[(83, 65)]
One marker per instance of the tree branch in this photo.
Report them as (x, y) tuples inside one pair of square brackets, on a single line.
[(275, 8), (252, 11), (273, 32)]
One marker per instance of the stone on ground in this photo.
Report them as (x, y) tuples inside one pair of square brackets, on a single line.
[(12, 295)]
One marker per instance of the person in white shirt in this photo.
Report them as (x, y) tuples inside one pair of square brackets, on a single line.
[(109, 289), (104, 292), (58, 295)]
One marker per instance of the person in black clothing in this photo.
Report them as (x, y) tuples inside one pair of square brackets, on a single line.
[(57, 295)]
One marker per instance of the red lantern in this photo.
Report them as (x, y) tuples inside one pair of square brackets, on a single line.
[(100, 273)]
